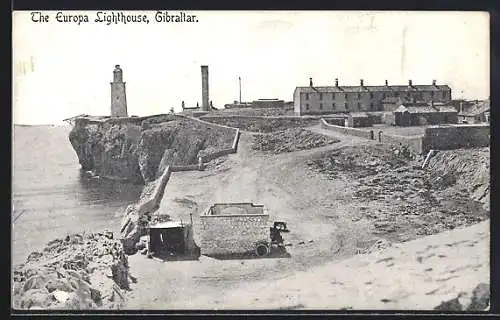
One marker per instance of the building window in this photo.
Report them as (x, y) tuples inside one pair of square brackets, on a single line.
[(359, 106), (307, 106), (345, 96), (432, 94), (321, 96), (333, 95), (396, 94), (371, 95), (346, 106), (372, 107), (383, 96), (307, 96), (359, 96), (320, 106), (333, 105)]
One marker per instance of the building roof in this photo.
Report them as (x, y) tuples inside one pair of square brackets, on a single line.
[(477, 109), (399, 88), (167, 225), (425, 109)]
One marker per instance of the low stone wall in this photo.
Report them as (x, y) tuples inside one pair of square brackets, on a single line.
[(232, 234), (457, 136), (219, 153), (347, 130), (189, 167), (295, 117), (415, 143), (151, 203), (335, 121), (376, 117), (444, 137)]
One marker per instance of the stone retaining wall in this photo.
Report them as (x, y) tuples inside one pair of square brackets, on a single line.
[(457, 136), (346, 130), (415, 143)]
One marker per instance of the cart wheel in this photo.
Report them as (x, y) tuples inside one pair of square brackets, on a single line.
[(262, 250)]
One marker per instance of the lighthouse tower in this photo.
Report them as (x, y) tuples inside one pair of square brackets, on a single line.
[(118, 97)]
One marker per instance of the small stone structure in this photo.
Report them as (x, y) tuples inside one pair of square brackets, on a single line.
[(358, 120), (174, 236), (233, 228), (476, 113), (423, 114)]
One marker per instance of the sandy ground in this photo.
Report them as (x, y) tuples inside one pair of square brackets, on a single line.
[(319, 214), (414, 275)]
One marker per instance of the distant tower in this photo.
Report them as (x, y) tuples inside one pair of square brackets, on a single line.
[(118, 97), (204, 89)]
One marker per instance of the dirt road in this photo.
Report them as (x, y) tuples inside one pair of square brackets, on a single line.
[(324, 221), (317, 211)]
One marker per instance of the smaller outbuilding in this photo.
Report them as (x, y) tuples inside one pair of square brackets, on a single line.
[(417, 114), (171, 238), (357, 120), (477, 113)]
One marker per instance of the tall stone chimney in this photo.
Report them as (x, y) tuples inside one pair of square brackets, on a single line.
[(310, 82), (336, 82), (204, 89), (386, 83), (118, 96), (410, 83), (361, 83), (434, 83)]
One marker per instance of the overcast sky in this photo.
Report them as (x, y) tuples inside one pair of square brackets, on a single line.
[(273, 52)]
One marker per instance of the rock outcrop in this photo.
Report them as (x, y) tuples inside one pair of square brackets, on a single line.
[(133, 148), (452, 191), (290, 140), (81, 271), (471, 167)]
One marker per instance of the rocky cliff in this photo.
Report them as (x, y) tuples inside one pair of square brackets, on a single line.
[(133, 148)]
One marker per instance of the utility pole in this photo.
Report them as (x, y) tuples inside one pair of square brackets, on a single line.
[(239, 78)]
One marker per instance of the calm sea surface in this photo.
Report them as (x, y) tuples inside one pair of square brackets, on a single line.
[(52, 197)]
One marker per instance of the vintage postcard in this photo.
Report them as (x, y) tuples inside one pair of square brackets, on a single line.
[(251, 160)]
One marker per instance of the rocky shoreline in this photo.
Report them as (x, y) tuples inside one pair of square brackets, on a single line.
[(90, 270), (83, 270), (80, 271)]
